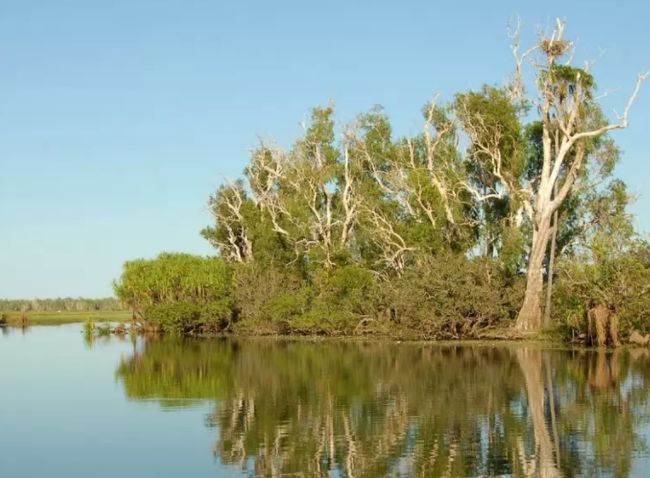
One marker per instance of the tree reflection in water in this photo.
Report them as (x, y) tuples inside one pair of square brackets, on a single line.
[(372, 409)]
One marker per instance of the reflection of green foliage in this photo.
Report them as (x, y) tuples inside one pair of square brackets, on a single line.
[(89, 332), (373, 409), (178, 370)]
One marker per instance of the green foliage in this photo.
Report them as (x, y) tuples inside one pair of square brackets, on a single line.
[(178, 292), (452, 296), (510, 256), (619, 280), (611, 268), (566, 78), (189, 317), (500, 122), (273, 300), (176, 317), (256, 290), (342, 297), (104, 330), (497, 160)]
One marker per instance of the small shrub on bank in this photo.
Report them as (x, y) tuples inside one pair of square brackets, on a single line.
[(343, 297), (452, 296), (329, 301), (618, 280), (176, 317), (189, 317), (262, 294), (171, 278), (178, 293)]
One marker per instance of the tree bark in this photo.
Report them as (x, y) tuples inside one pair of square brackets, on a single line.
[(551, 264), (530, 314)]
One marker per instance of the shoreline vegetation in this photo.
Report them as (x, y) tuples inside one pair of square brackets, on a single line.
[(503, 215), (24, 313), (26, 319)]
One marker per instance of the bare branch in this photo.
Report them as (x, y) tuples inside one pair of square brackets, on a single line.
[(392, 244), (517, 83)]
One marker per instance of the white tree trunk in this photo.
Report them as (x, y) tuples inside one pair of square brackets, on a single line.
[(549, 272), (530, 315)]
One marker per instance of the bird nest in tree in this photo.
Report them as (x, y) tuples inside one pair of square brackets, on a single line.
[(554, 47)]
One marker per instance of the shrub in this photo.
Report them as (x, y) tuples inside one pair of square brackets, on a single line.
[(342, 298), (451, 296), (173, 278), (260, 292), (178, 292), (175, 317), (619, 279), (216, 316)]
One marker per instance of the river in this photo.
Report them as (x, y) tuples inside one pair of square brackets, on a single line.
[(168, 407)]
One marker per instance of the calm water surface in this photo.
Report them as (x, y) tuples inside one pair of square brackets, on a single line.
[(211, 408)]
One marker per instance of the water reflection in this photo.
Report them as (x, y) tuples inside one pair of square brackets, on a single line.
[(355, 409)]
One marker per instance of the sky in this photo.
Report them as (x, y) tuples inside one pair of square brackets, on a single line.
[(119, 118)]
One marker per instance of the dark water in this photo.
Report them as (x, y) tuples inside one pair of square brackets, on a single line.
[(206, 408)]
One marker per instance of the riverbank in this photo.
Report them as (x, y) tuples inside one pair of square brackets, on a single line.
[(19, 319), (114, 323), (551, 336)]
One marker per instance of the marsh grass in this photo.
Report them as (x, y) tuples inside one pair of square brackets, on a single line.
[(65, 317), (104, 330)]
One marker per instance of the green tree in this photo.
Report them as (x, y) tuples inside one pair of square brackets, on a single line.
[(566, 106)]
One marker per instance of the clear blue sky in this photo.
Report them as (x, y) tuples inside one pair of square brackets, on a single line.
[(119, 118)]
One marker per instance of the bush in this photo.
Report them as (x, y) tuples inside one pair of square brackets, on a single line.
[(175, 317), (447, 296), (619, 280), (173, 278), (342, 298), (263, 296), (451, 296), (178, 292), (272, 300), (216, 316)]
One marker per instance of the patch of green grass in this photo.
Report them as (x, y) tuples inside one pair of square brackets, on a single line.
[(67, 317)]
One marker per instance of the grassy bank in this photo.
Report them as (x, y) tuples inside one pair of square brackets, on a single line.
[(65, 317)]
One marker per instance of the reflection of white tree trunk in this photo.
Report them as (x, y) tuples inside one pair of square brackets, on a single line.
[(551, 405), (530, 362)]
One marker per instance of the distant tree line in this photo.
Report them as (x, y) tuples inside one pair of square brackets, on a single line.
[(60, 304), (465, 227)]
